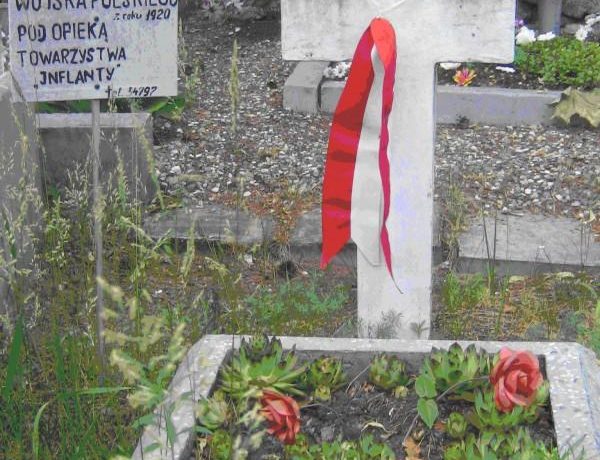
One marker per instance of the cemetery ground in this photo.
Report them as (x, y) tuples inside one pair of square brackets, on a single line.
[(164, 294)]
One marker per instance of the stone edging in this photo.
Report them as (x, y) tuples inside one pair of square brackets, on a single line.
[(306, 91), (572, 370), (534, 245)]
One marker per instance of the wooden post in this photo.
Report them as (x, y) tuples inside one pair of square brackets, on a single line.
[(97, 212)]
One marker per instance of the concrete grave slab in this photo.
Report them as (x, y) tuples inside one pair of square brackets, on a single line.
[(529, 244), (491, 106), (66, 141), (307, 236), (302, 88), (572, 371), (226, 225), (212, 223), (495, 106)]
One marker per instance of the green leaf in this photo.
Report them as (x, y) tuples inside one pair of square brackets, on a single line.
[(170, 109), (98, 391), (35, 437), (80, 106), (585, 104), (47, 107), (157, 105), (428, 411), (144, 420), (152, 447), (171, 431), (425, 386)]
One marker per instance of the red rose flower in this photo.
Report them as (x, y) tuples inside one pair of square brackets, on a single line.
[(516, 379), (283, 415)]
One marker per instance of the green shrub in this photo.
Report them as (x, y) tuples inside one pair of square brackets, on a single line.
[(561, 61)]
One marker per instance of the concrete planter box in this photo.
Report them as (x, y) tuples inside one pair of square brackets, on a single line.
[(66, 141), (572, 370), (306, 91)]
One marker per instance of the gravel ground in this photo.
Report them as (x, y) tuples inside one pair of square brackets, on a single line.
[(549, 170)]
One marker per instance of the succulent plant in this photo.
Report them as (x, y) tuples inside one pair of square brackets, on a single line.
[(456, 426), (516, 445), (213, 413), (324, 376), (259, 347), (243, 379), (389, 373), (400, 392), (220, 445), (486, 414), (456, 365), (472, 448)]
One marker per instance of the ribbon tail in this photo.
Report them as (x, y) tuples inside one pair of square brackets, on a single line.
[(356, 188), (341, 154)]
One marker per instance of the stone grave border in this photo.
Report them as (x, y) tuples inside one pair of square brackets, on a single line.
[(572, 370), (218, 224), (307, 91)]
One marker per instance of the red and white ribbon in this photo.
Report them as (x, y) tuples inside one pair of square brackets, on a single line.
[(356, 187)]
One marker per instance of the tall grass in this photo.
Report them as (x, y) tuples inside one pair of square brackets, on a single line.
[(51, 403)]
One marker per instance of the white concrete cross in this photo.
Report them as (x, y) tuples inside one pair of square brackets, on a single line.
[(428, 32)]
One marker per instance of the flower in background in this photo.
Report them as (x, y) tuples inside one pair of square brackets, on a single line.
[(582, 33), (546, 37), (516, 378), (338, 71), (464, 76), (525, 36), (283, 415), (519, 22), (585, 29)]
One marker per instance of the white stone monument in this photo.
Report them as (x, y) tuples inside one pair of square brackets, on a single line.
[(428, 32)]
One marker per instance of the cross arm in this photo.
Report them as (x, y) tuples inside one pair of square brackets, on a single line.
[(457, 30)]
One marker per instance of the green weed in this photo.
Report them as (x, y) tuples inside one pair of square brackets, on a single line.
[(295, 307)]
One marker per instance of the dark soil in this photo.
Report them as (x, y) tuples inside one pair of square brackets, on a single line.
[(488, 75), (354, 409)]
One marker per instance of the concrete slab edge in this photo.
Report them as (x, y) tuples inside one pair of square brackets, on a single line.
[(214, 223), (136, 120), (217, 224), (572, 370), (493, 106)]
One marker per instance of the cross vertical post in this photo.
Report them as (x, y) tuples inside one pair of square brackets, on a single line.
[(428, 32)]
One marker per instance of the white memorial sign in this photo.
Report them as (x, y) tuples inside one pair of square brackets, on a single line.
[(94, 49), (428, 32)]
